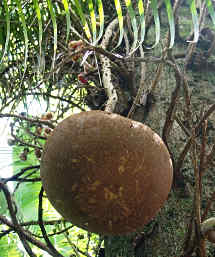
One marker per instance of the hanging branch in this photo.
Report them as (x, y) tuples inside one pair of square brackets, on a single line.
[(37, 121), (55, 253)]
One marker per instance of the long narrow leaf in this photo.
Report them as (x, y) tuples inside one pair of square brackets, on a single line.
[(22, 18), (93, 18), (142, 20), (101, 19), (68, 20), (120, 20), (171, 22), (37, 9), (156, 20), (53, 18), (195, 20), (133, 23), (8, 29), (142, 25), (211, 10), (83, 19)]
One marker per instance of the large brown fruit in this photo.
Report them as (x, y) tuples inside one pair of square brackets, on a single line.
[(106, 173)]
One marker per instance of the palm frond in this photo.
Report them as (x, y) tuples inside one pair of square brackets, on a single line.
[(90, 16)]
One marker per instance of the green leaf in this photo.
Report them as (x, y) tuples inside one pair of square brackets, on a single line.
[(211, 10), (53, 18), (37, 9), (142, 20), (8, 30), (9, 246), (22, 18), (68, 20), (156, 20), (120, 20), (26, 195), (171, 22), (101, 19), (83, 19), (27, 200), (93, 18), (133, 23), (142, 24), (195, 20), (3, 204)]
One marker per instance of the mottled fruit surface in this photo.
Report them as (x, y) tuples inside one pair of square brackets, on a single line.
[(106, 173)]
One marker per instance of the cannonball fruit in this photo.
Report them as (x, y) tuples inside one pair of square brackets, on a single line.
[(106, 173)]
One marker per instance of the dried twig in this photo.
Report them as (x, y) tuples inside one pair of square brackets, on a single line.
[(202, 154)]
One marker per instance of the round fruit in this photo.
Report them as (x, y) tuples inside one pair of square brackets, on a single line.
[(106, 173)]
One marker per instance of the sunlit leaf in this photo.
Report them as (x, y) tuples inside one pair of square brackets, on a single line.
[(27, 199), (93, 18), (12, 250), (142, 20), (195, 20), (22, 18), (120, 20), (171, 22), (83, 19), (37, 9), (101, 19), (68, 20), (53, 18), (7, 16)]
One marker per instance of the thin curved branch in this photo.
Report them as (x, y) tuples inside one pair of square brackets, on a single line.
[(18, 228), (55, 253), (27, 235), (17, 175), (37, 121)]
